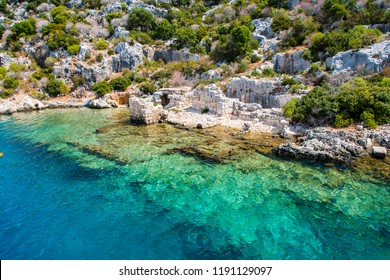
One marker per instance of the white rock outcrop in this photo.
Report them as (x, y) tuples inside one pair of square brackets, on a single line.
[(290, 63), (369, 60)]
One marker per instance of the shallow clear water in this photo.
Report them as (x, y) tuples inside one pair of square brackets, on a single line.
[(135, 192)]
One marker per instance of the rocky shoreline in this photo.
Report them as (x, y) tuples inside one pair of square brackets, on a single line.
[(321, 144)]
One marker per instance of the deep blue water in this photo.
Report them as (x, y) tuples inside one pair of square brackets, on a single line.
[(60, 199)]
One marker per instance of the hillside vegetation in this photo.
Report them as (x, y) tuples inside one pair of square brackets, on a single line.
[(42, 40)]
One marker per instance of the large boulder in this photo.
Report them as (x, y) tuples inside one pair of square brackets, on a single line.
[(371, 59), (130, 56), (290, 63), (379, 152), (144, 110)]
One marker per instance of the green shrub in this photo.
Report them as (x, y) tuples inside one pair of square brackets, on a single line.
[(164, 30), (141, 37), (306, 54), (61, 40), (340, 121), (17, 68), (11, 83), (288, 81), (73, 50), (55, 88), (268, 72), (140, 19), (368, 119), (26, 27), (281, 21), (101, 88), (289, 107), (99, 57), (101, 45), (185, 38), (113, 15), (120, 83), (205, 110), (3, 72), (148, 88), (38, 95)]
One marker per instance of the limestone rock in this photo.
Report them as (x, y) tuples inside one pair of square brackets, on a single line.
[(253, 91), (120, 32), (74, 3), (98, 104), (175, 55), (210, 75), (290, 63), (371, 59), (130, 56), (144, 110), (379, 152), (263, 29), (84, 50)]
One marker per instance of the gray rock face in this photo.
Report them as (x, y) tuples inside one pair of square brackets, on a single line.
[(67, 69), (120, 32), (290, 63), (74, 4), (157, 12), (371, 59), (210, 75), (130, 56), (84, 50), (292, 3), (379, 152), (261, 91), (144, 111), (175, 55), (111, 8), (263, 29)]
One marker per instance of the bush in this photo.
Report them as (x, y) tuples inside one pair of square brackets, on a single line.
[(185, 38), (3, 72), (61, 40), (120, 83), (289, 107), (164, 30), (268, 72), (141, 37), (73, 50), (101, 45), (113, 15), (55, 88), (99, 57), (10, 83), (140, 19), (26, 27), (148, 88), (368, 119), (101, 88), (340, 121), (281, 21)]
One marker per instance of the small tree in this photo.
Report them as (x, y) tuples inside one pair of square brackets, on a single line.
[(55, 88), (140, 19), (241, 39)]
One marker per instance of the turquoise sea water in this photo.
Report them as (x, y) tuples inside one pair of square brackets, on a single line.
[(130, 192)]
